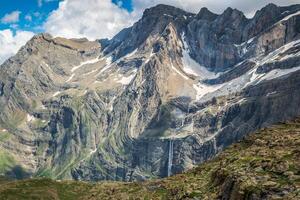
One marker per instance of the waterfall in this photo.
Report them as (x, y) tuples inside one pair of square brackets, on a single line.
[(191, 129), (170, 158), (192, 126), (215, 145)]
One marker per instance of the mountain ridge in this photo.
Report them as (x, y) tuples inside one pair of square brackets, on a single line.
[(164, 95)]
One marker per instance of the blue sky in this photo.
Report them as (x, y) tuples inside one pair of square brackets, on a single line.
[(38, 14), (33, 13), (127, 4)]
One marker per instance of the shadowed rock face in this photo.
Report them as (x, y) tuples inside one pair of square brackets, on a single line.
[(164, 95)]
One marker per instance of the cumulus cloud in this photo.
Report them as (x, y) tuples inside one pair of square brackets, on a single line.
[(93, 19), (10, 43), (12, 17)]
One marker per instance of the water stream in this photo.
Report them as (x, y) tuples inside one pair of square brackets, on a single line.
[(170, 158)]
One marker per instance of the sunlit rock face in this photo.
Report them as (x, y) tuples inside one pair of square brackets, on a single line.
[(160, 97)]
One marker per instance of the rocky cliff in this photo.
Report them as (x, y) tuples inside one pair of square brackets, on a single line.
[(160, 97), (264, 165)]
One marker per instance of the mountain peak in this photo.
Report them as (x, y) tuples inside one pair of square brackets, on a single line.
[(162, 9), (232, 12), (270, 6), (206, 14), (271, 10), (41, 36)]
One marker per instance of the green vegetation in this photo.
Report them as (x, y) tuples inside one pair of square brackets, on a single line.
[(39, 124), (4, 135), (6, 162), (16, 118), (265, 165), (45, 173)]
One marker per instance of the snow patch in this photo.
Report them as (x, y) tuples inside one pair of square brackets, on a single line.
[(93, 151), (47, 66), (130, 54), (168, 15), (190, 66), (290, 16), (111, 107), (43, 107), (205, 92), (127, 80), (91, 72), (243, 48), (109, 62), (253, 77), (107, 66), (85, 63), (149, 57), (203, 89), (275, 55), (4, 130), (288, 56), (271, 93), (241, 101), (276, 73), (178, 72), (30, 118), (56, 93), (70, 78)]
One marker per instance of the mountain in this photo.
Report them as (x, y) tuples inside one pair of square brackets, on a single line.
[(263, 166), (159, 98)]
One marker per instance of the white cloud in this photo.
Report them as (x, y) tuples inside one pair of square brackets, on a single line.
[(11, 43), (93, 19), (12, 17)]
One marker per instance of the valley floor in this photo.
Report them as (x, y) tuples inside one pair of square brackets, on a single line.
[(265, 165)]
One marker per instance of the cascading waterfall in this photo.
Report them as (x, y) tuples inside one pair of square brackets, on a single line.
[(192, 124), (170, 158), (215, 145)]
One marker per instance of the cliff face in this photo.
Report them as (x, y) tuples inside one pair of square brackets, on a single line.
[(164, 95), (264, 165)]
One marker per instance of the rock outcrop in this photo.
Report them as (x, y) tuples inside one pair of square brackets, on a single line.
[(264, 165), (162, 96)]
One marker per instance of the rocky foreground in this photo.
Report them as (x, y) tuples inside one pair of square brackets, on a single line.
[(265, 165)]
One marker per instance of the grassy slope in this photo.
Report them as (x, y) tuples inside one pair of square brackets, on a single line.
[(266, 165)]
